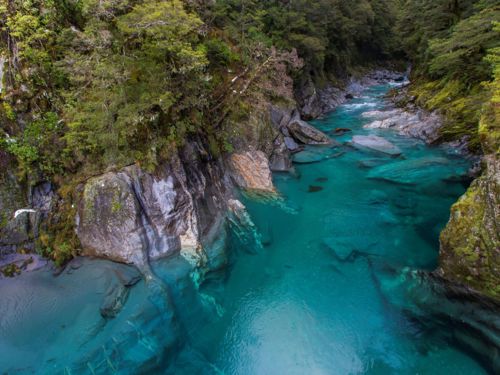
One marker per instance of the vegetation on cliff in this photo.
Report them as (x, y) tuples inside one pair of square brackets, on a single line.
[(96, 83), (447, 42)]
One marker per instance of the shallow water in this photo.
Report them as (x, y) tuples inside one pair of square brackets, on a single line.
[(316, 299)]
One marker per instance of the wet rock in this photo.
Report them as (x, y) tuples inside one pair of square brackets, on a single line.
[(292, 145), (371, 163), (381, 115), (420, 124), (471, 319), (376, 143), (66, 316), (113, 301), (345, 250), (243, 226), (307, 134), (14, 264), (250, 171), (280, 160), (310, 156)]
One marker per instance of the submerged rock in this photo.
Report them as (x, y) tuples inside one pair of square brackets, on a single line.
[(471, 320), (376, 143), (413, 171), (314, 189), (315, 155), (99, 317)]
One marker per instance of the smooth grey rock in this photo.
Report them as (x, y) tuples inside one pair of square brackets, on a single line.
[(307, 134), (280, 160), (420, 124), (132, 216), (291, 144), (376, 143)]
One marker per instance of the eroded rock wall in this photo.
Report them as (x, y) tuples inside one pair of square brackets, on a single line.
[(133, 216)]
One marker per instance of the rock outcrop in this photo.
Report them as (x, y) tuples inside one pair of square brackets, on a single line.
[(250, 171), (132, 216), (305, 133), (418, 124), (470, 243), (22, 213)]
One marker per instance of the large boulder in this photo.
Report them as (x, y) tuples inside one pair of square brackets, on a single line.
[(305, 133), (111, 219), (250, 171), (376, 143)]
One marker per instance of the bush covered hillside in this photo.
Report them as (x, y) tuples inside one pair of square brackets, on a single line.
[(92, 83)]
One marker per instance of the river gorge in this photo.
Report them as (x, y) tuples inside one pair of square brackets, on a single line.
[(331, 276)]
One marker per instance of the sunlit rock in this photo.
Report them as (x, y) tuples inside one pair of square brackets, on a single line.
[(250, 171)]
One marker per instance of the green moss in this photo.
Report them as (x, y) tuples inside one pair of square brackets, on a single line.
[(460, 105), (469, 241), (11, 270), (9, 111)]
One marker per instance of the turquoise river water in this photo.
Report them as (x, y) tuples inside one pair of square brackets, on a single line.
[(322, 296)]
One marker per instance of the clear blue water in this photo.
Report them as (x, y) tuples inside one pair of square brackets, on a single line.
[(316, 299), (303, 305)]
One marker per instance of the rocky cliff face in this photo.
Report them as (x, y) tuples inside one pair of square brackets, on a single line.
[(133, 216), (470, 243)]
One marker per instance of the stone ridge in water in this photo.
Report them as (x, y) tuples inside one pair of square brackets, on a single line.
[(376, 143)]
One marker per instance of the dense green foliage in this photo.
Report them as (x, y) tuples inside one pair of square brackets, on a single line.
[(448, 41), (115, 82), (330, 35)]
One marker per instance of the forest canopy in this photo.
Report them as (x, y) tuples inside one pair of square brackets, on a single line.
[(88, 84)]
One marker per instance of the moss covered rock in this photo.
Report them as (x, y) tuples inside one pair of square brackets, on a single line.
[(470, 243)]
